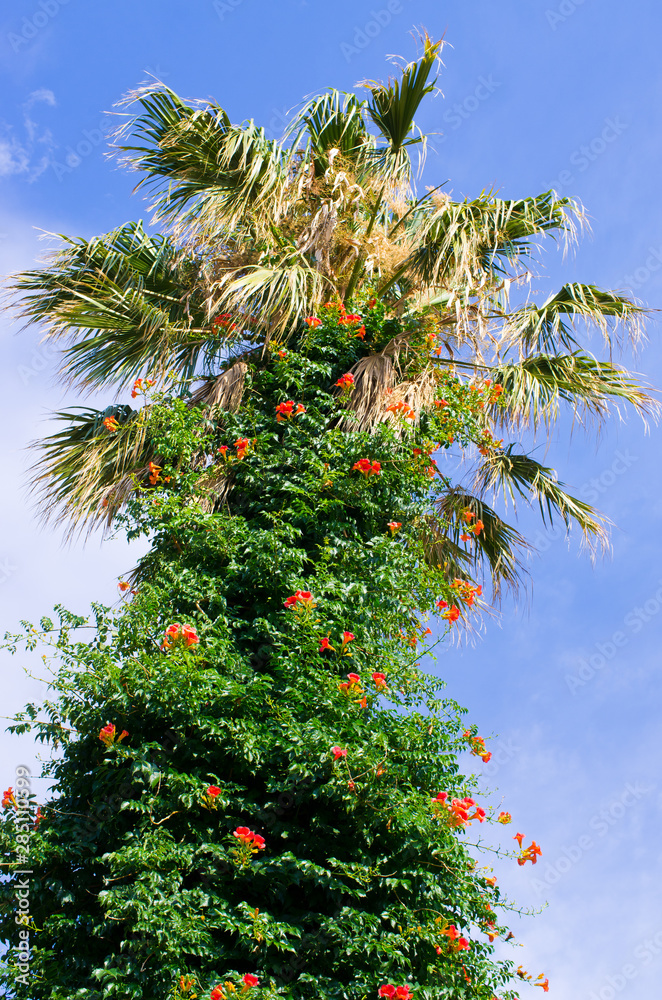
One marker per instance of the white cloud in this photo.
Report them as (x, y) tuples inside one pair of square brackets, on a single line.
[(30, 154)]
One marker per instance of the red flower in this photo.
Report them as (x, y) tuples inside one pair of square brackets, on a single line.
[(367, 468), (379, 680), (442, 604), (338, 752), (154, 473), (224, 451), (313, 321), (242, 445), (530, 853), (504, 817), (177, 633), (325, 644), (394, 526), (249, 980), (141, 385), (246, 836), (354, 678), (372, 303), (284, 411), (519, 837), (545, 983), (360, 333), (452, 614), (8, 799), (111, 424), (403, 993), (386, 991), (347, 637), (217, 993), (282, 354), (302, 596), (123, 586), (213, 790), (346, 381), (108, 735)]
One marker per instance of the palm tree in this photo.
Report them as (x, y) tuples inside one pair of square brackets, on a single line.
[(258, 233)]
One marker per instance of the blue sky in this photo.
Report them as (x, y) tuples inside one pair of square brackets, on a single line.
[(536, 93)]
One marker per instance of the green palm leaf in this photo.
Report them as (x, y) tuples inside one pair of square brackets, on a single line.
[(130, 303), (393, 105), (550, 328), (514, 475)]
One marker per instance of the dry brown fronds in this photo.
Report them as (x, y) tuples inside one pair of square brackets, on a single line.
[(224, 392)]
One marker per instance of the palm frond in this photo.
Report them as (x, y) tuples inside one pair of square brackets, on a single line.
[(499, 547), (550, 328), (334, 121), (128, 302), (85, 473), (224, 391), (462, 243), (534, 388), (276, 295), (214, 172), (514, 475), (394, 104)]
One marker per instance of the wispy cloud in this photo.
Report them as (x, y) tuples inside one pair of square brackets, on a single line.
[(27, 151)]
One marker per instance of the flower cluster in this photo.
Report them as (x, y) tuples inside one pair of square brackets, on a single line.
[(468, 592), (228, 988), (154, 473), (241, 444), (493, 390), (338, 752), (186, 984), (470, 529), (458, 811), (477, 744), (347, 637), (505, 818), (141, 385), (540, 980), (9, 799), (302, 597), (224, 320), (346, 381), (455, 941), (111, 424), (352, 687), (391, 992), (285, 411), (344, 319), (402, 410), (246, 836), (530, 853), (109, 737), (488, 443), (367, 468), (210, 799), (394, 526), (451, 614), (177, 634)]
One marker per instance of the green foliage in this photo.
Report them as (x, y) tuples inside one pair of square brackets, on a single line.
[(137, 877)]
